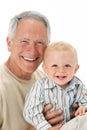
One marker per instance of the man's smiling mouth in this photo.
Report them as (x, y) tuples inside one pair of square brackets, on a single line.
[(30, 59)]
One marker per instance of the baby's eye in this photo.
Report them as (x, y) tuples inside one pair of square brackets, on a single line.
[(54, 65), (67, 65)]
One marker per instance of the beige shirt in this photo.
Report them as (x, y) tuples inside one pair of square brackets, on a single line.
[(78, 123), (12, 97)]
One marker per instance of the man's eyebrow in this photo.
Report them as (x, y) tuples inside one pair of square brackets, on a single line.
[(24, 39)]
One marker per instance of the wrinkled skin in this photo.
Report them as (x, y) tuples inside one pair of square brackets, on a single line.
[(27, 48)]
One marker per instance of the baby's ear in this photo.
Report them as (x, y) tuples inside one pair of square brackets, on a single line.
[(44, 67), (77, 67)]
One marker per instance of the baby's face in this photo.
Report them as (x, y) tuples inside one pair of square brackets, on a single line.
[(60, 66)]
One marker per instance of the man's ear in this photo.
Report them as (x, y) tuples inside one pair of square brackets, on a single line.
[(9, 43)]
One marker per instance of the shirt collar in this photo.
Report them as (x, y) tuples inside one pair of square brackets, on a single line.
[(75, 82)]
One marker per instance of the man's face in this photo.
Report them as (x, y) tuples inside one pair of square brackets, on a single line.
[(27, 47)]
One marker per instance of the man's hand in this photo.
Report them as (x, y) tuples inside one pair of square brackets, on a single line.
[(54, 117), (75, 106), (31, 127)]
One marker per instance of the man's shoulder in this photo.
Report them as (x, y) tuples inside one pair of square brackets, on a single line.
[(39, 74), (2, 70)]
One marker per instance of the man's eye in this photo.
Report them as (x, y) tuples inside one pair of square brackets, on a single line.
[(24, 41), (54, 65), (41, 43)]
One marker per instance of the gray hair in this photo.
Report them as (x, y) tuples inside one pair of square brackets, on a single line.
[(27, 15)]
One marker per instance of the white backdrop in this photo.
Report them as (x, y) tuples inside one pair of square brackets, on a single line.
[(68, 20)]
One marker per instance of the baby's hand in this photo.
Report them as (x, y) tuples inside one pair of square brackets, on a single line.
[(81, 110)]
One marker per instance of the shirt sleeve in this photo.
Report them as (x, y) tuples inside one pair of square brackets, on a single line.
[(33, 108), (82, 96)]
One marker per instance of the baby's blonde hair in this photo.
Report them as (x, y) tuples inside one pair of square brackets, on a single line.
[(60, 46)]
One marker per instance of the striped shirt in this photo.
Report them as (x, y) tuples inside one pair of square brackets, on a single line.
[(44, 91)]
